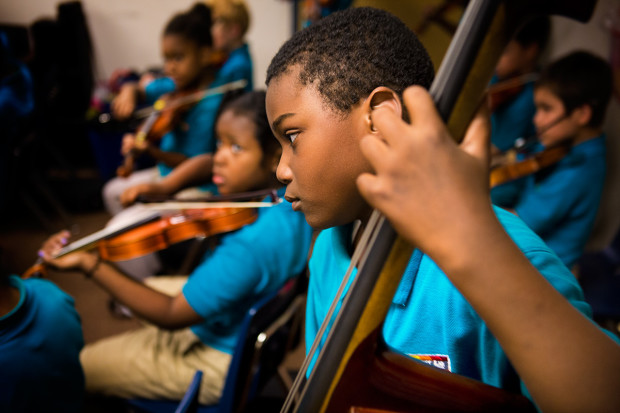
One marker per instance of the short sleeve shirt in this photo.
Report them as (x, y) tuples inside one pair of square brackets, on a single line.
[(429, 319), (246, 265), (561, 203), (40, 343), (513, 120)]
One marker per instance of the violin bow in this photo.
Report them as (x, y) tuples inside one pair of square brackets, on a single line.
[(161, 104)]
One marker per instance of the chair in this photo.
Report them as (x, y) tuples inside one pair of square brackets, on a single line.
[(189, 403), (271, 328)]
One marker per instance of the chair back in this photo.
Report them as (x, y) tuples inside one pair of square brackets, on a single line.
[(272, 328)]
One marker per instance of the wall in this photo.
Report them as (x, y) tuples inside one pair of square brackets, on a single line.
[(125, 33)]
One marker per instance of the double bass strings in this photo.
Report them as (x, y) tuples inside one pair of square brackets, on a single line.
[(369, 232)]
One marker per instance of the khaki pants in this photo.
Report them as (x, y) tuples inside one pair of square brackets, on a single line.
[(153, 363)]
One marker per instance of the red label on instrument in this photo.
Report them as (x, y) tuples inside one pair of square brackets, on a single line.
[(440, 361)]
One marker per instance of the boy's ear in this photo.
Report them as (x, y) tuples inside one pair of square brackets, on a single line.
[(582, 114), (382, 97)]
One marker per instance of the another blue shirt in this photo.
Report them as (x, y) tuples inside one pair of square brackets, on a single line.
[(560, 203), (513, 119), (429, 319), (238, 66), (40, 343), (246, 265)]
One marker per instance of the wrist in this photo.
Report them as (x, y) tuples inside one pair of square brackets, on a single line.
[(91, 265)]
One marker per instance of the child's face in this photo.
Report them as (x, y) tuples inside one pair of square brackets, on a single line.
[(183, 60), (552, 122), (514, 60), (238, 164), (321, 158), (224, 34)]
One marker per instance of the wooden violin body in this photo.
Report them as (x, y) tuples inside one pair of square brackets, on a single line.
[(152, 231), (172, 229), (515, 170)]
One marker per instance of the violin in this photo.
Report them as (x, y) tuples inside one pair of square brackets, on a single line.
[(515, 170), (165, 114), (504, 91), (153, 230), (355, 368)]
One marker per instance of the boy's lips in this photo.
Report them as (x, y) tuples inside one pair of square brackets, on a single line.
[(295, 202), (218, 179)]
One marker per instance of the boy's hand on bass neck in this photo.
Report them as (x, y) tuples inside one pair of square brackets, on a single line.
[(430, 188)]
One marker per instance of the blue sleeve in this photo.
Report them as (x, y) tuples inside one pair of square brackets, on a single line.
[(573, 188), (237, 67), (543, 205), (249, 262), (514, 120), (230, 274), (157, 88)]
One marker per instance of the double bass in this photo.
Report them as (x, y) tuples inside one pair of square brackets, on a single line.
[(355, 370)]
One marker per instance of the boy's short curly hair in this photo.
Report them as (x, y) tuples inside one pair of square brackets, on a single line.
[(580, 78), (349, 53)]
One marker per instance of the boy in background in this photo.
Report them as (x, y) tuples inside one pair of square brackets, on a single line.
[(560, 202), (231, 20)]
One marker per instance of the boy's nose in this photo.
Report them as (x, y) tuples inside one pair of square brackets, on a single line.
[(283, 172), (219, 157)]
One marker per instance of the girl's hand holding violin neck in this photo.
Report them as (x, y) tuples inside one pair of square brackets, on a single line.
[(78, 260), (130, 143), (430, 188)]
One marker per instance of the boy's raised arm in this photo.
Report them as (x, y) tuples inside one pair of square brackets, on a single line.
[(435, 194)]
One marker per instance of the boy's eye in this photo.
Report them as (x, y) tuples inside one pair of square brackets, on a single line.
[(235, 148), (218, 143), (291, 136)]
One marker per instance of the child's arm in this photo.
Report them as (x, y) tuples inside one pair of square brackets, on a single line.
[(435, 193), (194, 171), (153, 306), (172, 159), (124, 104)]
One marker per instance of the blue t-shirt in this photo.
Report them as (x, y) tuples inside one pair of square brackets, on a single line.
[(560, 203), (40, 343), (429, 319), (246, 265), (513, 119), (238, 66)]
